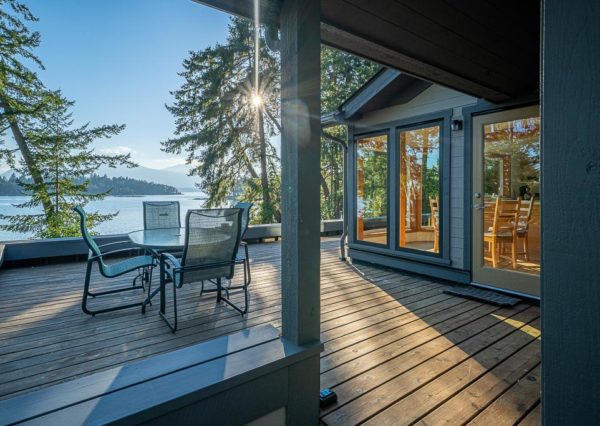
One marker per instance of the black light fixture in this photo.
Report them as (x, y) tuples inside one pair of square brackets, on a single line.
[(457, 125)]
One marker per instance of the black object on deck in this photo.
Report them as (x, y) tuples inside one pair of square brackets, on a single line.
[(327, 397), (482, 295)]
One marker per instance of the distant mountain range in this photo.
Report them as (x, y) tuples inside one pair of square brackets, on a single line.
[(175, 176)]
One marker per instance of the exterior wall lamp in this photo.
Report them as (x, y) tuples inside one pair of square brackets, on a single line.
[(457, 125)]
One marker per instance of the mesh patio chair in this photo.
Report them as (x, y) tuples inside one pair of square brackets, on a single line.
[(159, 215), (211, 243), (244, 258), (113, 270)]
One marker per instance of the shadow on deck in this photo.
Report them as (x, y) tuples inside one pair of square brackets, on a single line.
[(397, 349)]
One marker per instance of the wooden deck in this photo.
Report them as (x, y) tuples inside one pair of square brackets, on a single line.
[(397, 349)]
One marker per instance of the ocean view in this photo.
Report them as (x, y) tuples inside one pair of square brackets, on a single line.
[(130, 217)]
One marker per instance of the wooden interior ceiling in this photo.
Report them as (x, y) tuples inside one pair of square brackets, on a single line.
[(486, 48)]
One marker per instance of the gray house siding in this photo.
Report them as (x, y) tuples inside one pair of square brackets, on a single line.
[(432, 100)]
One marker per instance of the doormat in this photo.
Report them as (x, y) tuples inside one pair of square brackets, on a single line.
[(482, 295)]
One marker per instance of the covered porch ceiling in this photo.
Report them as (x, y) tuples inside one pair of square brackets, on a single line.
[(488, 49)]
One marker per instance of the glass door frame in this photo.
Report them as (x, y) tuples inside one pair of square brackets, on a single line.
[(513, 281), (444, 119), (444, 187), (354, 187)]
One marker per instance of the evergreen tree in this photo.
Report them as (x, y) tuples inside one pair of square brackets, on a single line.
[(23, 97), (219, 125), (225, 122), (341, 75), (64, 159)]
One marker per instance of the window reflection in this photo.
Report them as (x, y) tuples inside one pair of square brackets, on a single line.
[(420, 189), (511, 183), (371, 189)]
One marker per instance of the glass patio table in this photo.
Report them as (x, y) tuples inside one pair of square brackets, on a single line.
[(154, 240), (159, 239), (169, 240)]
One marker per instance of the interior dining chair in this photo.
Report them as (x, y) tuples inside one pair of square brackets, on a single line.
[(434, 204), (503, 230), (212, 238), (244, 258), (97, 255), (525, 214)]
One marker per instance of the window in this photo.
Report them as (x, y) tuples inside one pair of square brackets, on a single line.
[(371, 189), (419, 183)]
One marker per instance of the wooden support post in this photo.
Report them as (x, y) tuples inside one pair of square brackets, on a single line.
[(570, 212), (300, 194)]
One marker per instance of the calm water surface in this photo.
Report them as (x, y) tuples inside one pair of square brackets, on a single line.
[(130, 217)]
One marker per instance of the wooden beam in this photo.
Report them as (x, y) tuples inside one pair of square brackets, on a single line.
[(300, 197), (570, 205), (360, 46)]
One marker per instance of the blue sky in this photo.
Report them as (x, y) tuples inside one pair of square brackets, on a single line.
[(118, 60)]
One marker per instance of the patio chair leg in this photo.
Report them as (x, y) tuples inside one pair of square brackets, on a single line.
[(87, 292), (245, 288), (163, 300), (219, 290), (247, 263), (86, 289)]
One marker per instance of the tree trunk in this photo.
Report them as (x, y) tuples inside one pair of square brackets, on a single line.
[(264, 175), (324, 187), (28, 159)]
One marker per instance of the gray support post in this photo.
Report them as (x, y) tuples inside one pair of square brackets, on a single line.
[(570, 212), (300, 155), (300, 193)]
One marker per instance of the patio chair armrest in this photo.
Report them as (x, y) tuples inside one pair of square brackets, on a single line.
[(114, 244), (108, 253), (164, 257)]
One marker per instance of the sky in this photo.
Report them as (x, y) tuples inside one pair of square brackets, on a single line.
[(119, 59)]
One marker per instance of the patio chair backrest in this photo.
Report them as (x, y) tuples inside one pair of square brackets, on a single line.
[(161, 214), (245, 215), (87, 238), (212, 238)]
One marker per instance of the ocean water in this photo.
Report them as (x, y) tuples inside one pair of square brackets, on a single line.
[(130, 217)]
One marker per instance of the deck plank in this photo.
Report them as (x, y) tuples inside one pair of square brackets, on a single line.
[(396, 347), (514, 404)]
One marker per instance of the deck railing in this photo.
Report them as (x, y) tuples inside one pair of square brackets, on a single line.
[(41, 250)]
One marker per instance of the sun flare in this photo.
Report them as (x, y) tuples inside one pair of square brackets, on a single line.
[(257, 100)]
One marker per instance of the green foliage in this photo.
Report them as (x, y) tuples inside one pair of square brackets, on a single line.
[(372, 161), (342, 74), (218, 125), (56, 157), (22, 94), (64, 159)]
